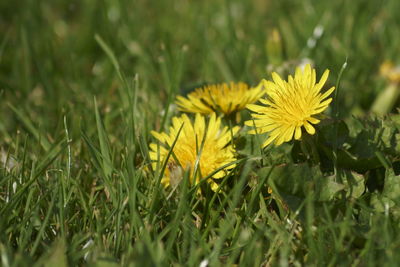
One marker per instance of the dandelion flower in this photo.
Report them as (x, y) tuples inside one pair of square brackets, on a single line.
[(386, 100), (290, 105), (226, 98), (390, 72), (200, 148)]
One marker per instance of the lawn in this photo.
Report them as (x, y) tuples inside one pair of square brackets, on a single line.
[(88, 99)]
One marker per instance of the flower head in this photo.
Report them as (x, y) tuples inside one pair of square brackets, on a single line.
[(226, 98), (200, 148), (290, 105), (390, 72)]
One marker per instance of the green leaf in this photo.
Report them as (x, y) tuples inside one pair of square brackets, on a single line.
[(333, 133), (299, 179), (327, 188), (354, 184), (377, 135), (392, 186), (27, 122), (389, 199), (104, 144)]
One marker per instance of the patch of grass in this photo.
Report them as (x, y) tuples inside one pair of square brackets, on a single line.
[(82, 84)]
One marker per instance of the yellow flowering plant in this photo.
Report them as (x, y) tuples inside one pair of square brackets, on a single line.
[(201, 148), (224, 98), (388, 96), (290, 106)]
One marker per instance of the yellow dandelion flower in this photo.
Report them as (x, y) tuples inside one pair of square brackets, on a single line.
[(226, 98), (290, 105), (390, 71), (386, 100), (201, 146)]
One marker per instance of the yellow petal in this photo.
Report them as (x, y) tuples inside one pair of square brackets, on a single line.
[(255, 108), (268, 141), (278, 80), (158, 136), (327, 93), (324, 77), (309, 128), (325, 103), (297, 134), (313, 120)]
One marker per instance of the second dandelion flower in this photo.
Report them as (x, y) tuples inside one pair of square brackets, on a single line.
[(224, 98)]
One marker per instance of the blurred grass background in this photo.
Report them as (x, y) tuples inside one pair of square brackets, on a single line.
[(52, 68), (51, 63)]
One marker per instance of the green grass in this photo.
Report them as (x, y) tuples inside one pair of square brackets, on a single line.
[(82, 84)]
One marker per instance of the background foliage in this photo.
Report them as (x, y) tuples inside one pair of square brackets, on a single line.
[(83, 82)]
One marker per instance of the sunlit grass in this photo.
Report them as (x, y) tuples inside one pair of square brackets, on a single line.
[(83, 84)]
